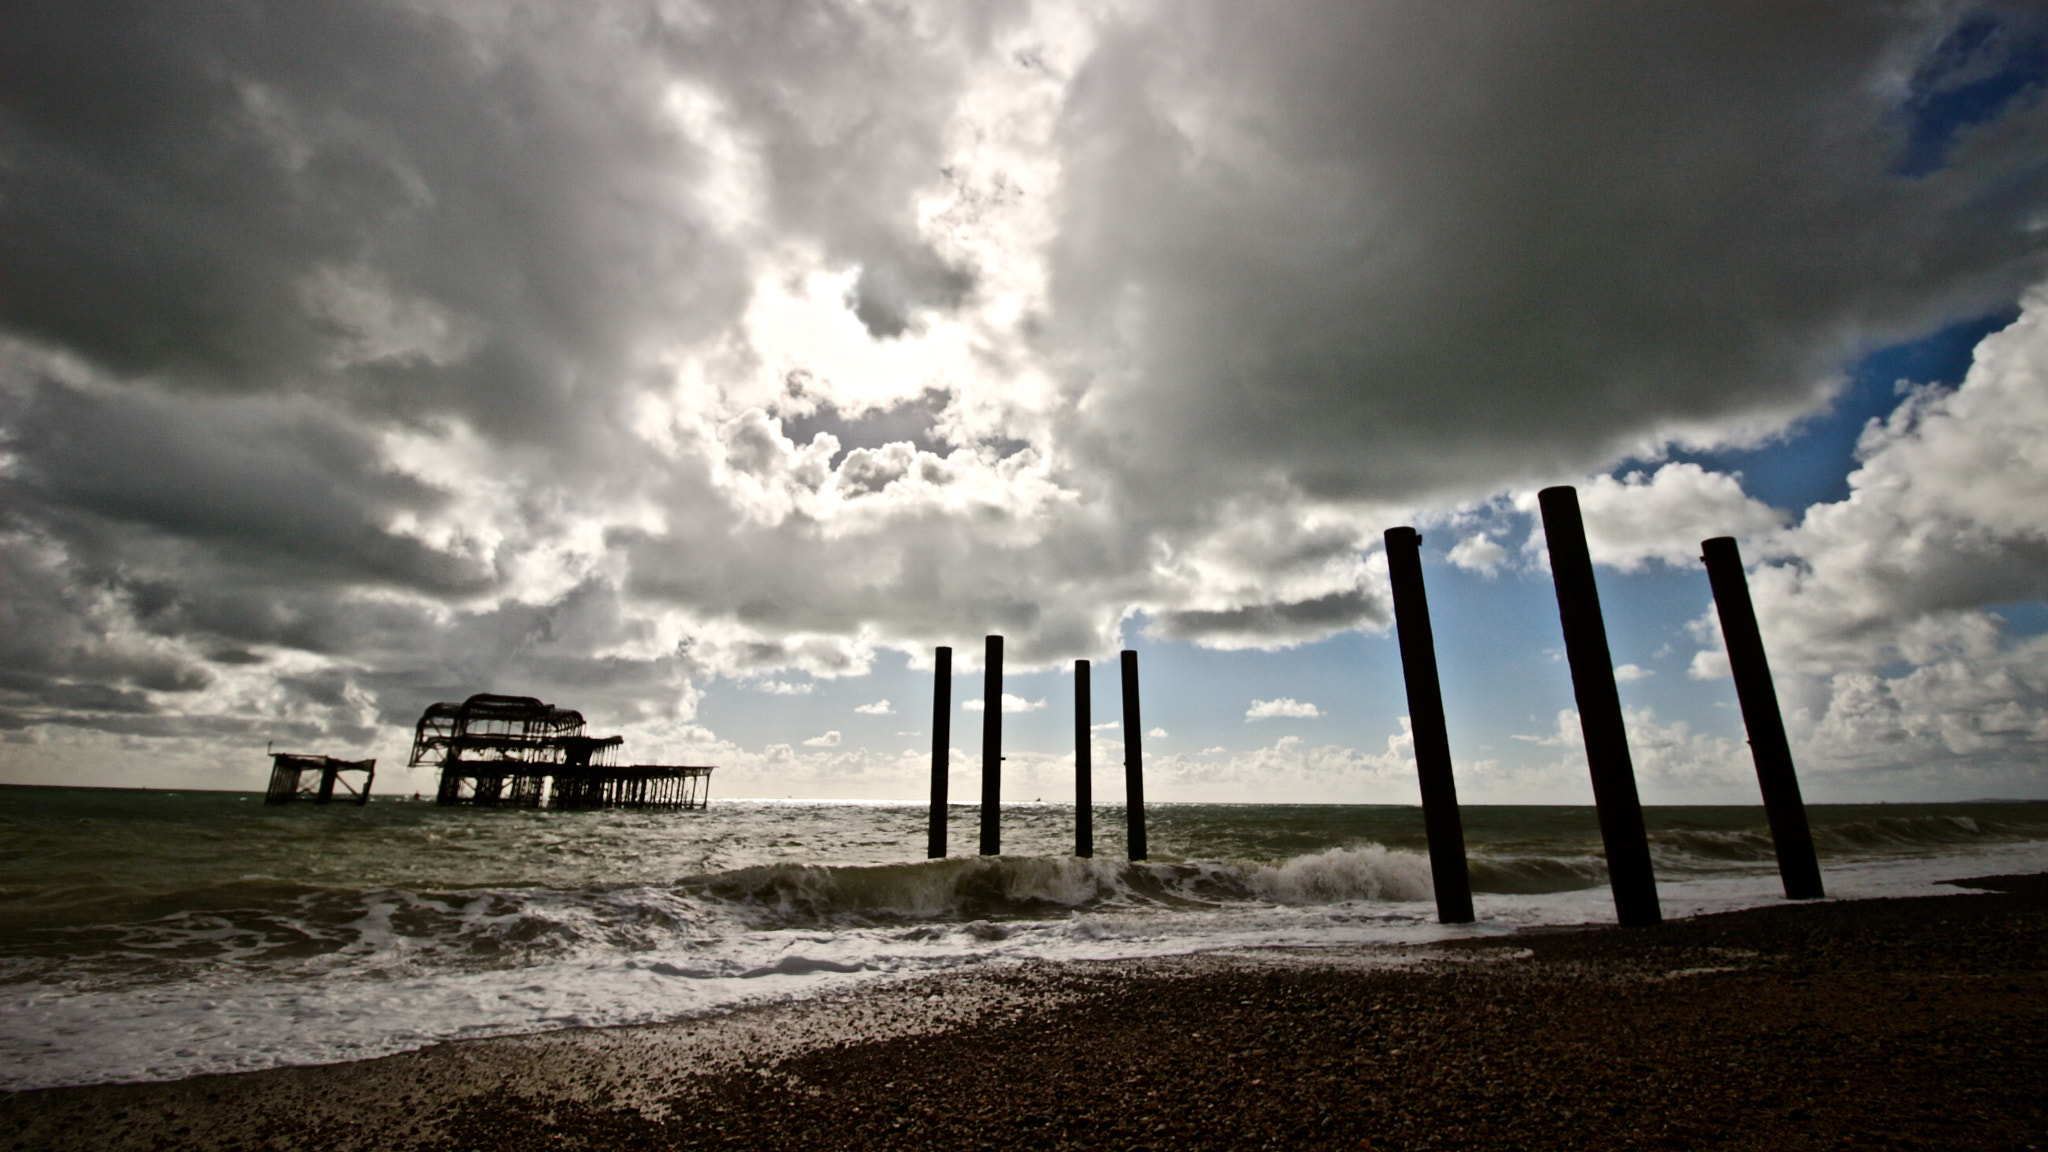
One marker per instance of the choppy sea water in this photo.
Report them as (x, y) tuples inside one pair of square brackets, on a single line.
[(153, 935)]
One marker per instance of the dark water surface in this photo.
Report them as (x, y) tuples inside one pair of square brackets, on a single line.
[(156, 933)]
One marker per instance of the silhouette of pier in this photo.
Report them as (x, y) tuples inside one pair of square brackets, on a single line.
[(517, 752), (297, 776)]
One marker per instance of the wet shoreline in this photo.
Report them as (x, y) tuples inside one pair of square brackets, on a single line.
[(1913, 1022)]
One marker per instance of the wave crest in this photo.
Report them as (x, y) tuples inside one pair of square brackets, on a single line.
[(1903, 833), (1010, 887)]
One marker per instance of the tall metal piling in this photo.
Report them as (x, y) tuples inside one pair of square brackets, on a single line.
[(992, 749), (1797, 866), (1585, 644), (942, 742), (1084, 766), (1134, 761), (1426, 721)]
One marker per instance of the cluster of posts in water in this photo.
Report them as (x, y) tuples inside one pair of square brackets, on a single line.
[(992, 755), (1622, 834)]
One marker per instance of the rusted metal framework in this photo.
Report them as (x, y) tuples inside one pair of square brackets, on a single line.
[(297, 776), (634, 786), (515, 751)]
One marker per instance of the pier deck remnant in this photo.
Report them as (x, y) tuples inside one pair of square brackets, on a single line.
[(517, 752), (297, 776)]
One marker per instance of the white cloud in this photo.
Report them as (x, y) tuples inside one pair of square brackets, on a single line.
[(1630, 673), (1673, 762), (1010, 704), (1566, 734), (828, 740), (1947, 515), (785, 688), (878, 708), (1286, 706), (1663, 516), (1477, 553), (1709, 665), (1293, 769), (1157, 733), (1876, 610)]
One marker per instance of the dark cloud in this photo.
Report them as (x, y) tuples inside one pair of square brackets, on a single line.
[(888, 294), (912, 422), (1265, 623), (276, 487), (1393, 252), (360, 200), (359, 355)]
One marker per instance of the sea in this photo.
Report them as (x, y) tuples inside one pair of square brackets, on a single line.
[(154, 935)]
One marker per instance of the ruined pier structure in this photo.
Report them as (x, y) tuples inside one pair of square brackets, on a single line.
[(298, 776), (517, 752)]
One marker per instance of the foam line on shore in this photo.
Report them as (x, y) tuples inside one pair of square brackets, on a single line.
[(794, 1072)]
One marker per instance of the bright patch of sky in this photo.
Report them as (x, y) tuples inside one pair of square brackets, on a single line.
[(1811, 462)]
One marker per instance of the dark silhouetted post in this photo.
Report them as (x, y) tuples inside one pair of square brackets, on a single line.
[(1426, 721), (1084, 784), (942, 740), (992, 749), (1585, 647), (1134, 761), (1767, 745)]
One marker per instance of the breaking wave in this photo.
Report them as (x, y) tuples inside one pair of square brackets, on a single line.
[(1910, 833), (1883, 835), (88, 934), (1011, 887)]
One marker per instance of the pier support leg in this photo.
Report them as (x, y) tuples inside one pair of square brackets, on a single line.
[(1084, 767), (284, 780), (942, 743), (992, 750), (1614, 775), (1426, 721), (1783, 807), (1134, 761)]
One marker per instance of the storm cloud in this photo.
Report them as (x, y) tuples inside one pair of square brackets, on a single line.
[(354, 355)]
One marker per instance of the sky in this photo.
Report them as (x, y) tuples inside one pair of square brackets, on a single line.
[(704, 366)]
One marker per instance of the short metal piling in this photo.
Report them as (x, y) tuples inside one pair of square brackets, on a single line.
[(942, 741), (1614, 778), (992, 749), (1134, 761), (1440, 819), (1783, 807), (1084, 784)]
